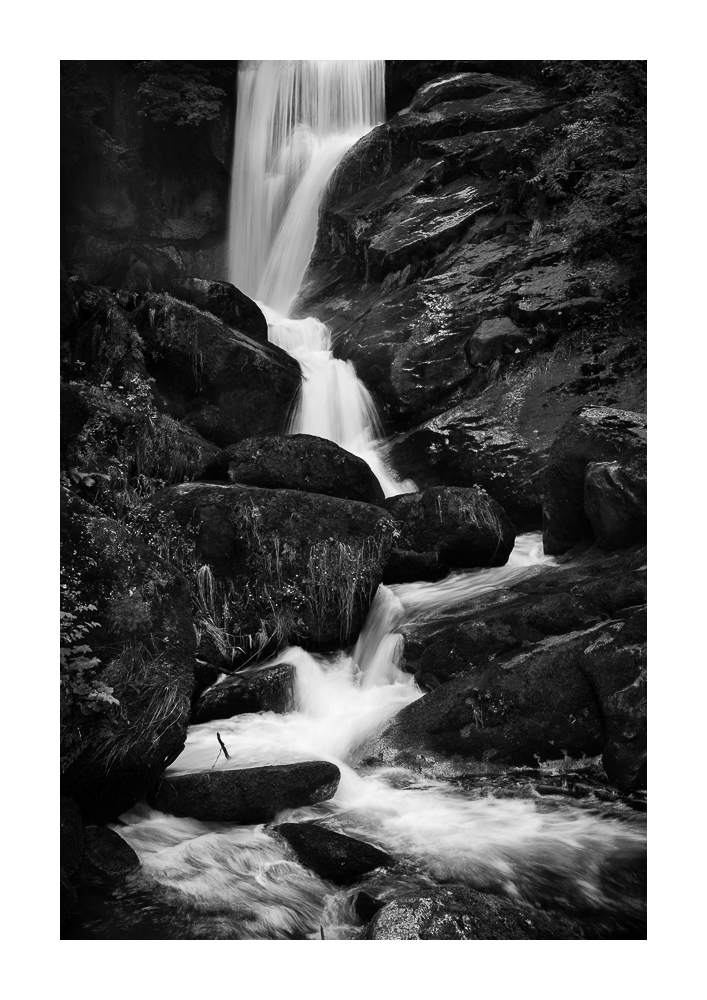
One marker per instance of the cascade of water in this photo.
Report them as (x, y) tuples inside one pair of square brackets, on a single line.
[(295, 121)]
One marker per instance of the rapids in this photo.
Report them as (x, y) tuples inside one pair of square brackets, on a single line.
[(238, 881)]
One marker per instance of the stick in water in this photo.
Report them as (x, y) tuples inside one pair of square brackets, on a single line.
[(223, 750)]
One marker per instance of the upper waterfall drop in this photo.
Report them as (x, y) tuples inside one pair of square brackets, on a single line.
[(294, 122)]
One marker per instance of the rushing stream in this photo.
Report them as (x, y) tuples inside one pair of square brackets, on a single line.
[(218, 880)]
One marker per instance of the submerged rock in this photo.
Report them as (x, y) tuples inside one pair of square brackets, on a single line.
[(248, 795), (616, 498), (266, 689), (303, 462), (458, 913), (334, 857), (108, 857), (447, 527)]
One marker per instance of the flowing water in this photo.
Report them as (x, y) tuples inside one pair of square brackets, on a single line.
[(220, 880)]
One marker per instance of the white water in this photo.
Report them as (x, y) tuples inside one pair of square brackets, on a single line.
[(295, 121), (506, 845)]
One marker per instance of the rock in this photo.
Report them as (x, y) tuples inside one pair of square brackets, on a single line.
[(366, 906), (139, 267), (68, 312), (248, 795), (317, 560), (72, 839), (492, 339), (258, 689), (144, 625), (333, 856), (593, 434), (615, 502), (461, 527), (223, 383), (457, 913), (108, 857), (550, 698), (303, 462), (205, 676), (225, 301), (68, 899)]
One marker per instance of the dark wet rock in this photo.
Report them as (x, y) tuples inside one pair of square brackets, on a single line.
[(248, 795), (144, 641), (615, 502), (366, 906), (594, 434), (223, 383), (552, 697), (225, 301), (303, 462), (333, 856), (493, 338), (72, 839), (258, 689), (457, 913), (317, 559), (205, 674), (139, 267), (462, 528), (108, 857)]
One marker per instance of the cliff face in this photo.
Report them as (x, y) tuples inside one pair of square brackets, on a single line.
[(481, 259), (145, 195)]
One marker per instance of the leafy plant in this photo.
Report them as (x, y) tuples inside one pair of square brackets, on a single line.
[(180, 93)]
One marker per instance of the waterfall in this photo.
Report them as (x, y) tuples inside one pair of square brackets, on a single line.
[(294, 122)]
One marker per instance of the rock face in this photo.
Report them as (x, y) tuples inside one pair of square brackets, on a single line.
[(220, 381), (250, 795), (458, 913), (598, 456), (474, 276), (108, 857), (303, 462), (445, 527), (270, 689), (334, 857), (317, 560), (225, 301)]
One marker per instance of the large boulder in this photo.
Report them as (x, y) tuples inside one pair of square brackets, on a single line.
[(555, 696), (225, 301), (281, 565), (447, 527), (333, 856), (303, 462), (223, 383), (256, 689), (136, 644), (248, 795), (458, 913), (108, 857), (616, 498)]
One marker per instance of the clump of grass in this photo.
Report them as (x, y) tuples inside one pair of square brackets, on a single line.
[(339, 578), (150, 705), (471, 507)]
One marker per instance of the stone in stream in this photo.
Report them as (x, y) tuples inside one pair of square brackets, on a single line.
[(266, 689), (108, 857), (72, 839), (458, 913), (446, 527), (333, 856), (302, 462), (582, 694), (246, 795), (290, 566), (580, 494)]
